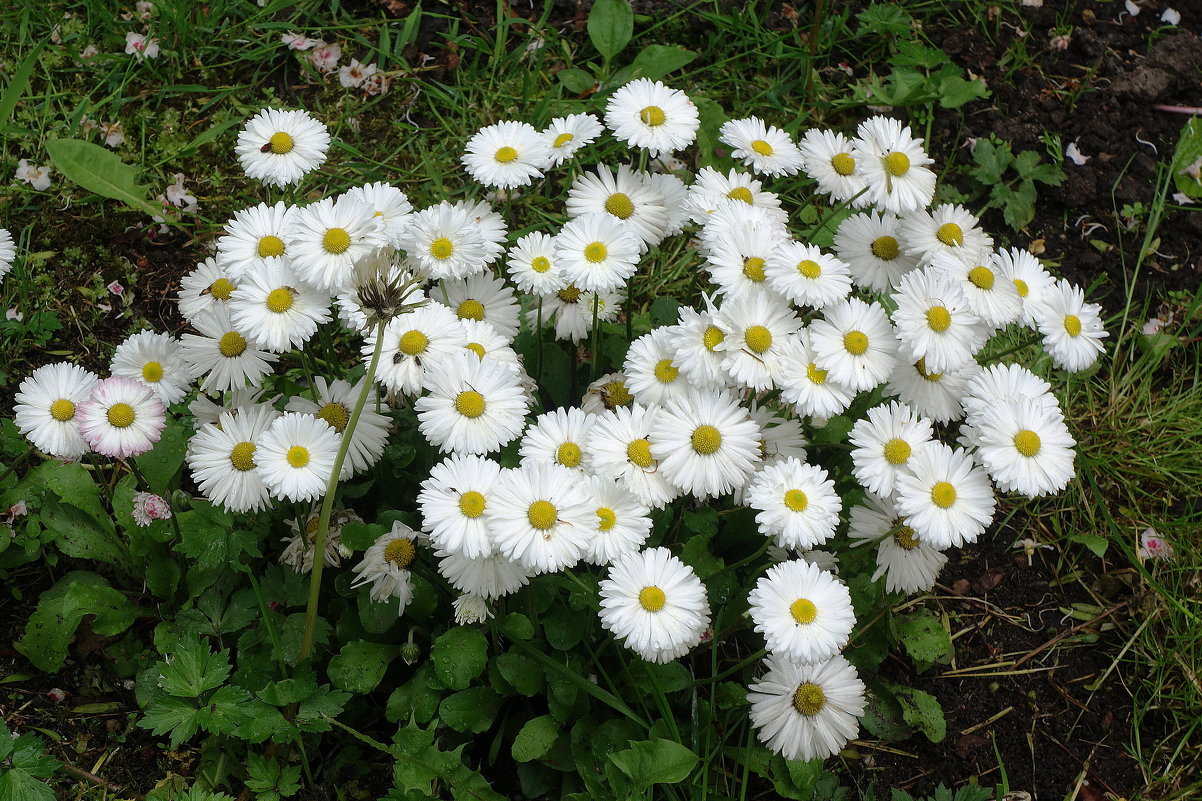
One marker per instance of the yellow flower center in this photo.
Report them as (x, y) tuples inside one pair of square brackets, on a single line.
[(753, 268), (639, 452), (562, 139), (615, 394), (713, 337), (653, 116), (281, 143), (706, 440), (809, 268), (1072, 325), (921, 367), (596, 252), (619, 205), (885, 248), (905, 538), (469, 403), (809, 699), (816, 374), (336, 415), (270, 247), (442, 248), (981, 277), (505, 155), (542, 515), (950, 234), (569, 294), (843, 164), (939, 318), (796, 500), (897, 451), (476, 348), (665, 371), (1022, 287), (242, 456), (62, 410), (741, 193), (221, 289), (855, 342), (298, 456), (471, 504), (400, 552), (540, 264), (652, 598), (762, 147), (152, 372), (803, 611), (606, 519), (758, 338), (336, 240), (279, 300), (470, 310), (121, 415), (232, 344), (943, 494), (569, 454), (1027, 442), (413, 343), (897, 164)]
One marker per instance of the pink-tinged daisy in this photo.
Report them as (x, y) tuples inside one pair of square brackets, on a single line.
[(121, 418)]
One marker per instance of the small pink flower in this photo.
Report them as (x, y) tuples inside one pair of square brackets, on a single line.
[(14, 314), (298, 41), (141, 46), (149, 507), (145, 10), (1060, 42), (18, 509), (1153, 546), (1153, 326), (355, 74), (56, 695), (325, 58), (177, 195), (377, 83), (116, 289), (113, 133), (89, 52), (32, 174)]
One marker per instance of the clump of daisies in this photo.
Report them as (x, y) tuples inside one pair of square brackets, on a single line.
[(717, 407)]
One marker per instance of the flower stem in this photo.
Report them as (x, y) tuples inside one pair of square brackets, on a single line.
[(596, 336), (327, 503)]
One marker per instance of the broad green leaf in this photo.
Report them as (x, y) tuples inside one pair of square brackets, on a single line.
[(923, 712), (17, 84), (884, 19), (523, 673), (576, 81), (1093, 542), (472, 710), (193, 669), (696, 554), (74, 485), (656, 61), (536, 738), (360, 665), (1187, 159), (923, 637), (610, 26), (99, 170), (82, 536), (62, 608), (955, 91), (459, 655), (656, 761), (162, 462)]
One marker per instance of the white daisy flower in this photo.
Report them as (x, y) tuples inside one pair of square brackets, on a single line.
[(206, 287), (647, 114), (883, 443), (334, 404), (558, 437), (491, 226), (931, 394), (473, 406), (255, 236), (489, 577), (796, 503), (948, 228), (1072, 329), (384, 273), (391, 208), (328, 237), (222, 459), (597, 252), (541, 516), (706, 444), (619, 445), (990, 296), (945, 498), (532, 266), (909, 564), (279, 147), (780, 436), (412, 341), (809, 388), (278, 310), (445, 241), (1028, 276), (47, 407), (8, 252), (1024, 448), (222, 354), (121, 418), (872, 246), (566, 135), (295, 456), (155, 360), (855, 342), (506, 155), (606, 393), (1003, 382), (484, 341), (830, 158), (804, 613), (572, 309), (386, 566), (764, 148), (805, 712), (483, 298), (650, 372), (206, 411), (453, 501), (737, 254), (712, 191), (624, 197), (807, 276), (935, 322), (894, 165), (622, 523), (696, 340), (654, 604), (756, 328), (470, 609), (675, 193)]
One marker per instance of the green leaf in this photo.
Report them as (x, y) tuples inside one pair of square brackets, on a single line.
[(610, 26), (656, 61), (954, 91), (264, 775), (696, 555), (17, 84), (192, 669), (361, 536), (359, 666), (1018, 203), (992, 161), (576, 81), (161, 463), (73, 485), (62, 608), (884, 19), (656, 761), (471, 710), (536, 738), (99, 170), (76, 533), (922, 711), (516, 626), (1093, 542), (923, 637), (459, 655), (1187, 159), (524, 674)]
